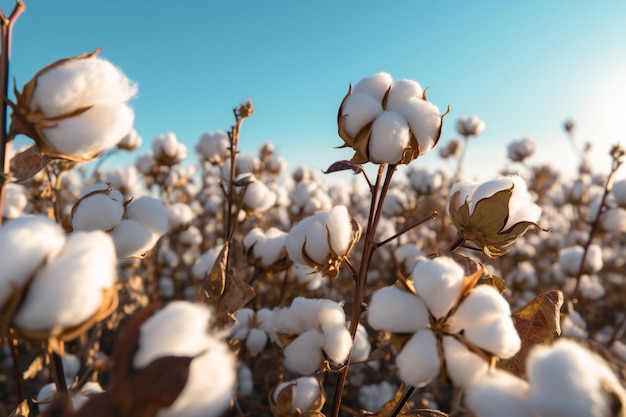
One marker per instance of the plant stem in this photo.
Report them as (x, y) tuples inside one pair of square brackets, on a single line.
[(376, 209), (6, 140), (459, 166), (408, 391), (434, 215), (58, 373)]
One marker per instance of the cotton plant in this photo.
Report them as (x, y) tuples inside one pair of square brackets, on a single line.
[(213, 147), (253, 328), (55, 286), (564, 379), (312, 334), (454, 327), (135, 225), (302, 396), (322, 241), (75, 108)]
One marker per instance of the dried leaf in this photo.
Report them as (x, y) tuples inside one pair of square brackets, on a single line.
[(343, 165), (22, 410), (26, 164), (215, 282), (537, 322), (34, 368)]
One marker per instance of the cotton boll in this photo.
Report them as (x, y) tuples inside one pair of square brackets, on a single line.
[(258, 197), (304, 392), (203, 266), (497, 335), (359, 109), (619, 192), (438, 283), (339, 225), (15, 201), (241, 328), (214, 147), (304, 355), (556, 385), (337, 342), (150, 213), (26, 243), (179, 215), (273, 247), (362, 346), (245, 383), (191, 236), (373, 397), (521, 208), (301, 315), (573, 325), (329, 312), (498, 394), (479, 306), (389, 138), (397, 311), (97, 212), (424, 120), (316, 248), (180, 329), (131, 239), (71, 285), (614, 220), (256, 340), (462, 366), (402, 91), (375, 86), (418, 361)]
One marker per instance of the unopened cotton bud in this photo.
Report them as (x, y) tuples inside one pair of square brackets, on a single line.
[(75, 108)]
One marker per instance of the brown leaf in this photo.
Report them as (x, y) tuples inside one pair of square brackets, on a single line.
[(537, 323), (215, 282), (22, 410), (343, 165), (26, 164)]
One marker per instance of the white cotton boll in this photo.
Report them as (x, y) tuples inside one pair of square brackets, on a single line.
[(424, 120), (389, 138), (304, 354), (496, 335), (259, 197), (489, 188), (80, 83), (619, 192), (68, 291), (310, 236), (402, 91), (570, 259), (191, 236), (97, 212), (88, 390), (339, 225), (358, 110), (15, 201), (273, 247), (498, 394), (123, 178), (521, 207), (462, 365), (179, 215), (167, 289), (479, 306), (397, 311), (203, 265), (418, 361), (426, 181), (71, 367), (375, 86), (213, 147), (26, 243), (373, 397), (150, 213), (438, 283), (591, 287), (180, 329), (573, 325), (556, 385), (256, 340), (241, 328), (337, 342), (245, 383), (330, 312), (614, 220), (131, 239), (99, 128), (407, 255), (304, 392), (256, 238)]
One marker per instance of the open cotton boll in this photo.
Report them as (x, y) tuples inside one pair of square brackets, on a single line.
[(425, 122), (258, 197), (489, 188), (179, 215), (619, 192), (397, 311), (181, 329), (402, 91), (15, 201), (373, 397), (480, 305), (101, 127), (132, 239), (273, 247), (337, 342), (568, 380), (241, 328), (389, 138), (496, 335), (78, 399), (362, 346), (330, 312), (375, 86), (304, 391), (360, 109), (97, 212), (68, 291), (304, 354), (26, 243), (438, 283), (462, 366), (418, 361), (312, 232), (339, 225), (256, 340), (497, 394), (213, 147), (203, 265), (614, 220), (301, 315), (150, 213), (570, 258)]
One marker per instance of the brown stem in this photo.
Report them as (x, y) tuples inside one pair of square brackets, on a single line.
[(58, 374), (434, 215), (617, 162), (408, 391), (17, 374), (376, 209), (6, 139), (459, 165)]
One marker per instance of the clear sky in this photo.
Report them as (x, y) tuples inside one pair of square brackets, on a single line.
[(523, 67)]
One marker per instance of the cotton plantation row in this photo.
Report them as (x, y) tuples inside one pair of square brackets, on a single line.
[(222, 284)]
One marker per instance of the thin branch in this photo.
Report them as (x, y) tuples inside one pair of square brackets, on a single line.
[(432, 216)]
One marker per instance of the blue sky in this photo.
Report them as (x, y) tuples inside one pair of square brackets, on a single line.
[(523, 67)]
